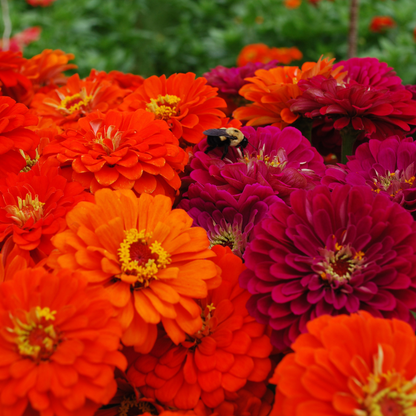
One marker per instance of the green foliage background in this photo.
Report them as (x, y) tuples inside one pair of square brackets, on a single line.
[(150, 37)]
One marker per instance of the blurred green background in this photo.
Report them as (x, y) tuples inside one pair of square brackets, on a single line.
[(150, 37)]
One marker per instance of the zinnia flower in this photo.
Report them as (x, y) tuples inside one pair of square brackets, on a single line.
[(15, 136), (387, 167), (221, 357), (283, 160), (121, 151), (184, 102), (349, 365), (370, 72), (45, 70), (379, 24), (42, 3), (12, 82), (331, 253), (375, 113), (33, 206), (23, 38), (122, 80), (58, 345), (66, 105), (292, 4), (146, 256), (271, 90), (228, 221)]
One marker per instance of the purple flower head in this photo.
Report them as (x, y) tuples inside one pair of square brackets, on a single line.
[(387, 167), (281, 159), (228, 221), (330, 253), (370, 72), (230, 80)]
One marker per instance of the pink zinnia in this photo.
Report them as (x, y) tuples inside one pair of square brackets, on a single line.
[(331, 253), (387, 167), (281, 159)]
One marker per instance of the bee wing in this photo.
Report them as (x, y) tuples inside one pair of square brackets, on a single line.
[(216, 132)]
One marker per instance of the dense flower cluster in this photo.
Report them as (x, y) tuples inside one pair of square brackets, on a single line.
[(157, 257)]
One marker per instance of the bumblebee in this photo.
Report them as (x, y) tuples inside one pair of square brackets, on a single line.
[(225, 137)]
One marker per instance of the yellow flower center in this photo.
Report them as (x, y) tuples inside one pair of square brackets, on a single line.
[(29, 162), (74, 102), (26, 209), (164, 107), (387, 394), (37, 337), (141, 258), (111, 139)]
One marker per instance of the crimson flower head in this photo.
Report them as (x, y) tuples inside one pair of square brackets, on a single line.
[(330, 254), (387, 167), (281, 159), (228, 221), (373, 112), (370, 72)]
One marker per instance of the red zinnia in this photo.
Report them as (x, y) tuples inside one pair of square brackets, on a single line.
[(126, 81), (14, 135), (33, 207), (219, 359), (381, 23), (188, 105), (121, 151), (59, 345), (66, 105)]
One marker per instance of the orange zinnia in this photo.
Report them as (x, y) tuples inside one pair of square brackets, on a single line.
[(272, 89), (148, 258), (354, 365), (66, 105), (15, 136), (186, 104), (380, 23), (126, 81), (121, 151), (45, 70), (230, 349), (286, 55), (292, 4), (59, 345)]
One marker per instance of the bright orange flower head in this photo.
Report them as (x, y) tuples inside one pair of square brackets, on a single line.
[(12, 82), (380, 23), (215, 361), (45, 70), (118, 150), (186, 104), (33, 206), (58, 345), (286, 55), (292, 4), (255, 52), (15, 136), (148, 258), (66, 105), (353, 365), (272, 89), (12, 260)]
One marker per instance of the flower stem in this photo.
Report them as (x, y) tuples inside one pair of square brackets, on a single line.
[(353, 32), (305, 126), (7, 25), (349, 135)]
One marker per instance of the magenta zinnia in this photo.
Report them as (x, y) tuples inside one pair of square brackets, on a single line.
[(281, 159), (331, 253), (387, 167)]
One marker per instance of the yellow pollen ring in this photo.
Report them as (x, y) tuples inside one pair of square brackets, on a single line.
[(164, 107), (143, 274), (83, 101), (36, 320), (26, 208)]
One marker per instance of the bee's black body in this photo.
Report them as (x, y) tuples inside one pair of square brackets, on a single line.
[(225, 137)]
